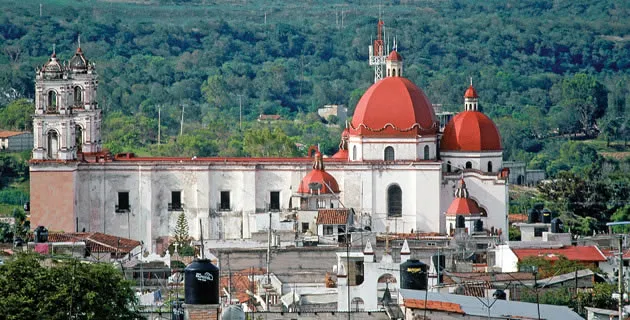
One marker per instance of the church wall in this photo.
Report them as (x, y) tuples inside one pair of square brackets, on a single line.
[(479, 160), (52, 199)]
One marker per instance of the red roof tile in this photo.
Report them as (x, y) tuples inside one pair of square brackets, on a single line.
[(332, 216), (96, 241), (6, 134), (573, 253), (434, 305), (517, 217)]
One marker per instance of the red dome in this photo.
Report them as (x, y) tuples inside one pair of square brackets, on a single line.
[(393, 106), (318, 177), (471, 93), (463, 206), (341, 154), (471, 131), (394, 56)]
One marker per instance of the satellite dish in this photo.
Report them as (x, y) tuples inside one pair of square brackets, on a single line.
[(315, 186)]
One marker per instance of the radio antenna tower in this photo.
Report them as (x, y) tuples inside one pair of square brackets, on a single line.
[(377, 51)]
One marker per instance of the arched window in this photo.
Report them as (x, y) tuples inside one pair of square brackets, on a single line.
[(468, 165), (489, 166), (357, 304), (78, 96), (53, 144), (52, 101), (448, 166), (389, 154), (394, 201), (388, 72), (393, 72), (78, 135), (426, 152), (354, 153)]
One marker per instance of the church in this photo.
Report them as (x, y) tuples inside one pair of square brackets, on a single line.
[(395, 168)]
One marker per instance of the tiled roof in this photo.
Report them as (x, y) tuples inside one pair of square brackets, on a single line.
[(269, 117), (434, 305), (241, 283), (573, 253), (332, 216), (6, 134), (517, 217), (96, 241), (461, 277)]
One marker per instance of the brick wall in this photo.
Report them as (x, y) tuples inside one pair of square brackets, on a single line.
[(201, 311)]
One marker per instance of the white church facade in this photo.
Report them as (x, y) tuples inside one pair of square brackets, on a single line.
[(394, 166)]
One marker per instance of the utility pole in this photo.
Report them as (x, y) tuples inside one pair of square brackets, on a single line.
[(159, 124), (620, 275), (240, 112), (40, 10), (181, 126)]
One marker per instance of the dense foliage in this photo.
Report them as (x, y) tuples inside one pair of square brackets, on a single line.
[(542, 68), (65, 290)]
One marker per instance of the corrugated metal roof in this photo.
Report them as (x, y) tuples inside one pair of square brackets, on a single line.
[(500, 308)]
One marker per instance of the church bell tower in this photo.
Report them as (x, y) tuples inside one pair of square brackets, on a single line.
[(67, 119)]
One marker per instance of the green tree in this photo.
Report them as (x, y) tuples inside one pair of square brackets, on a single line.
[(585, 97), (64, 290), (181, 231), (264, 142), (17, 115)]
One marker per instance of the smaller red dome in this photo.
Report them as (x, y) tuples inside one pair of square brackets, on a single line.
[(341, 154), (318, 181), (471, 131), (394, 56), (471, 93), (462, 205)]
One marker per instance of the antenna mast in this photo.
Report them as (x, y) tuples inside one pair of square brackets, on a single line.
[(377, 52)]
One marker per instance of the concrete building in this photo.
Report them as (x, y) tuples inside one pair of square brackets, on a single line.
[(519, 174), (15, 141), (394, 168), (338, 110)]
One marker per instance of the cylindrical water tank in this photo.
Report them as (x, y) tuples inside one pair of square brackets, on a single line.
[(546, 216), (533, 216), (178, 310), (557, 226), (413, 275), (439, 262), (201, 284), (41, 234)]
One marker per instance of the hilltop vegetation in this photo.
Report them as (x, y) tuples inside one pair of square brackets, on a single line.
[(547, 71)]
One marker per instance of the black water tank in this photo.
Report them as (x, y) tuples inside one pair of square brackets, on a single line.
[(533, 216), (557, 226), (201, 284), (479, 225), (500, 295), (439, 261), (41, 234), (546, 216), (413, 275), (460, 222)]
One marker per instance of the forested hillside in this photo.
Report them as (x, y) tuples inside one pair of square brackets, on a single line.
[(546, 71)]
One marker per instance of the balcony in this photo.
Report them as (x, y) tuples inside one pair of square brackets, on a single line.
[(175, 207), (223, 206), (121, 209)]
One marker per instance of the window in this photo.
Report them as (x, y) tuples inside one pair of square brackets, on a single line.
[(394, 201), (448, 166), (489, 166), (52, 101), (468, 165), (305, 227), (328, 230), (321, 203), (123, 201), (225, 200), (426, 152), (53, 144), (394, 72), (78, 134), (389, 154), (176, 201), (78, 96), (354, 153), (274, 204)]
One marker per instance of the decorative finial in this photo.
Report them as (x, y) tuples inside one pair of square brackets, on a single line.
[(471, 81), (79, 40), (54, 51)]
